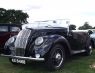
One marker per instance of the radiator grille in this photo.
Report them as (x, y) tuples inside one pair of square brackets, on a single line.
[(20, 52), (21, 42), (22, 38)]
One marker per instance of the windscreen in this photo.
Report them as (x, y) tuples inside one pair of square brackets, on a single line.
[(48, 23)]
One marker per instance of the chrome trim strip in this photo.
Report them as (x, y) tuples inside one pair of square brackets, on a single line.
[(24, 58), (78, 51)]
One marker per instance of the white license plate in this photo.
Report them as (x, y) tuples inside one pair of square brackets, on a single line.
[(19, 61)]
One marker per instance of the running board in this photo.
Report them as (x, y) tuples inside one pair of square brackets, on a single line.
[(78, 51)]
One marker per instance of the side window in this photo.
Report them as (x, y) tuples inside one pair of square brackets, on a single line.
[(14, 29), (3, 28)]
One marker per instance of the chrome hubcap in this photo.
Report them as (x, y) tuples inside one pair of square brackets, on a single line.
[(90, 47), (58, 58)]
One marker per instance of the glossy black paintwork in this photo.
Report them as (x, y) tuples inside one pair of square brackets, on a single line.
[(50, 34), (74, 40)]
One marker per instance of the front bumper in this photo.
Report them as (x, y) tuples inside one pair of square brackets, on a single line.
[(24, 58)]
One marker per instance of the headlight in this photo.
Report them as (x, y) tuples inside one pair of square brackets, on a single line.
[(39, 41), (10, 40)]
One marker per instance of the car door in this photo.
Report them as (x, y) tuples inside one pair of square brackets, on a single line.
[(4, 35), (76, 40)]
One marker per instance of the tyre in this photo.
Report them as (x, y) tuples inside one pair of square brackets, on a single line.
[(92, 43), (88, 50), (56, 57)]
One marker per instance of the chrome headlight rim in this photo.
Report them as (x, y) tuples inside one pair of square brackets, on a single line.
[(10, 40), (39, 41)]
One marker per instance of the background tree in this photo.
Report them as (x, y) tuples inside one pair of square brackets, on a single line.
[(13, 16), (72, 27), (85, 26), (2, 15)]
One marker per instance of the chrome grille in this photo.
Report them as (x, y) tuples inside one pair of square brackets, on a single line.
[(20, 52), (22, 38), (21, 42)]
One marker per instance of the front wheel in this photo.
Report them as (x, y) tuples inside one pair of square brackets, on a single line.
[(89, 50), (56, 57)]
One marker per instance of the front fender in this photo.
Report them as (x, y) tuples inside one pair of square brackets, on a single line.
[(49, 41), (8, 44)]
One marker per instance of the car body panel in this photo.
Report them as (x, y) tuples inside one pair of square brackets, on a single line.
[(74, 40)]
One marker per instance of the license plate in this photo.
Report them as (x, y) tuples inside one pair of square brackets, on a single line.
[(19, 61)]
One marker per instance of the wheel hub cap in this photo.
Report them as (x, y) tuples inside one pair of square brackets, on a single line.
[(58, 56)]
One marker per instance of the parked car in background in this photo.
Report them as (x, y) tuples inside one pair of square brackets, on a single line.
[(92, 36), (51, 43), (7, 31)]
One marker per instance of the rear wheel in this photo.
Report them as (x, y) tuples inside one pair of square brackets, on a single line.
[(89, 50), (56, 57), (92, 43)]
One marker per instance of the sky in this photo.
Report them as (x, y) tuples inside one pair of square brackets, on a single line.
[(77, 11)]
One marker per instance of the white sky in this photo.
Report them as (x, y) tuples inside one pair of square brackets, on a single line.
[(78, 11)]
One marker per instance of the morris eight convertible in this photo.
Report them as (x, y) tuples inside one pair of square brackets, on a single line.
[(48, 44)]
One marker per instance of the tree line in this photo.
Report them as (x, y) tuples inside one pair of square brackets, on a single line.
[(20, 17), (13, 16), (83, 27)]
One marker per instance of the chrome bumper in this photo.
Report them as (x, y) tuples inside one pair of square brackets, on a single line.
[(24, 58)]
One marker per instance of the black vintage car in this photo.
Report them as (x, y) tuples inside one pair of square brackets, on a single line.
[(49, 44)]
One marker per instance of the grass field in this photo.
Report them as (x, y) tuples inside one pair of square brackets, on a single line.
[(76, 64)]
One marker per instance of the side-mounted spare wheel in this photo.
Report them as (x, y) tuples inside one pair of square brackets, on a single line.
[(56, 57)]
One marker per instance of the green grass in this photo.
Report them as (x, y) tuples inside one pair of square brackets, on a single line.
[(76, 64)]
